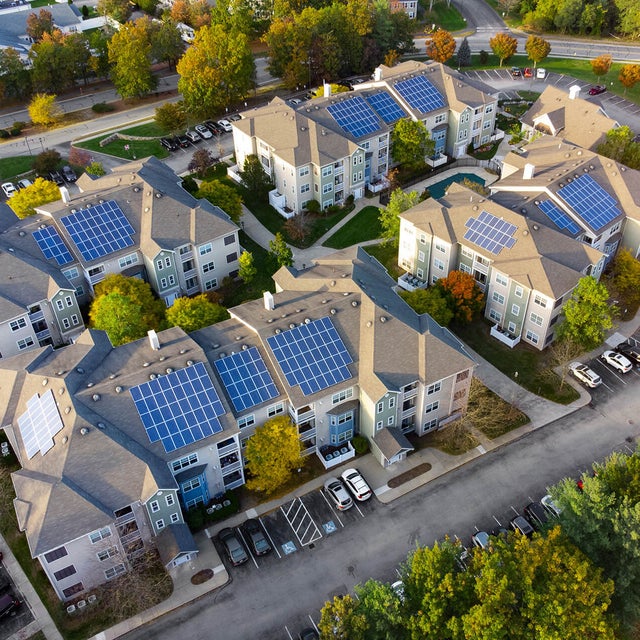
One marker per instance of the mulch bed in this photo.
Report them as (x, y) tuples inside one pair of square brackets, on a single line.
[(409, 475)]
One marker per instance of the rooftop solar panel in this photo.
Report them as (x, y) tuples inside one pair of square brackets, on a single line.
[(312, 356), (179, 408), (558, 216), (385, 106), (355, 116), (246, 379), (52, 245), (99, 230), (39, 423), (490, 232), (590, 201), (420, 94)]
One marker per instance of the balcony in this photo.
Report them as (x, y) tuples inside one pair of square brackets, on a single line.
[(338, 170), (230, 461), (504, 336), (187, 255), (279, 203), (305, 414), (228, 450), (97, 277), (332, 456), (378, 185), (44, 334), (411, 283), (437, 161), (36, 316)]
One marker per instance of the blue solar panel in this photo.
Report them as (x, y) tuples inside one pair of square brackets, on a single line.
[(558, 216), (246, 379), (420, 94), (590, 201), (312, 356), (99, 230), (355, 116), (179, 408), (490, 232), (386, 107), (52, 245)]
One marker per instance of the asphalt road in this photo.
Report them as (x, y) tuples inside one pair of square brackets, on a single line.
[(261, 601)]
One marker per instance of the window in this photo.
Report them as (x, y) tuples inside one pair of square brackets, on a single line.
[(327, 171), (75, 320), (434, 388), (185, 250), (246, 421), (210, 284), (305, 188), (79, 291), (536, 319), (327, 188), (500, 279), (463, 134), (339, 438), (515, 309), (25, 343), (304, 171), (275, 409), (73, 589), (341, 396), (64, 573), (191, 283), (487, 125), (438, 264), (465, 268), (420, 256), (59, 305), (430, 408), (539, 300), (533, 337), (423, 239), (210, 266), (390, 420), (205, 248), (159, 265), (127, 261), (100, 534), (194, 502), (185, 462), (467, 253), (429, 426), (69, 301), (175, 518), (392, 402), (232, 257), (163, 283), (66, 323), (420, 273), (488, 108), (463, 375), (379, 425), (498, 297), (380, 407), (160, 524), (72, 273), (496, 316), (511, 327), (15, 325), (94, 271), (112, 572), (440, 247), (167, 261), (155, 506), (172, 279), (105, 554), (518, 291), (189, 485), (170, 500), (56, 554), (441, 117)]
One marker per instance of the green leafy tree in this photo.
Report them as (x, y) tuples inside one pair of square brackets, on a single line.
[(223, 196), (410, 143), (568, 14), (342, 619), (201, 160), (465, 296), (191, 314), (601, 65), (15, 79), (503, 45), (616, 143), (44, 110), (23, 202), (78, 54), (52, 66), (272, 453), (537, 49), (588, 314), (166, 43), (120, 317), (432, 301), (46, 161), (626, 277), (119, 10), (95, 168), (464, 54), (247, 268), (628, 22), (441, 46), (254, 177), (39, 23), (390, 215), (280, 252), (171, 117), (629, 75), (99, 49)]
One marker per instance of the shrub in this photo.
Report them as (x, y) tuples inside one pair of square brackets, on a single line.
[(484, 57), (102, 107), (15, 131), (189, 184), (85, 11), (4, 134), (360, 444), (19, 125), (312, 206)]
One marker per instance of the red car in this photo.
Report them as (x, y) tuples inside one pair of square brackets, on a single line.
[(528, 73), (597, 90)]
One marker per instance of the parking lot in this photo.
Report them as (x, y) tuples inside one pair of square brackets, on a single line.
[(18, 618)]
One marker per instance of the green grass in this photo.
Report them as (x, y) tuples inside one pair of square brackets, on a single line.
[(35, 4), (513, 19), (137, 148), (387, 255), (148, 129), (14, 166), (363, 226), (447, 17), (487, 154)]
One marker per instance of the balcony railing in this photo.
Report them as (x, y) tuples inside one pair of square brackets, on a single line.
[(230, 448), (44, 334), (36, 316), (186, 256), (333, 456), (504, 336), (127, 517)]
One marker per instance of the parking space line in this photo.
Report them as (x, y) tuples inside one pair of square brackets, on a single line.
[(246, 544), (612, 371), (273, 546), (335, 513), (355, 504), (288, 632), (306, 518)]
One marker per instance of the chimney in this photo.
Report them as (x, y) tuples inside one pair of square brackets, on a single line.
[(269, 304), (377, 74), (574, 92), (327, 89), (64, 192), (153, 340), (529, 171)]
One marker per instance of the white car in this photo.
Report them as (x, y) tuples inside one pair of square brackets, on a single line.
[(203, 131), (356, 484), (481, 539), (226, 125), (551, 507), (338, 494), (585, 375), (9, 189), (541, 73), (24, 183), (617, 361)]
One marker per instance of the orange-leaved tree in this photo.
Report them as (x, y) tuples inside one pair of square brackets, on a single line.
[(629, 75), (601, 65), (503, 45), (465, 297), (441, 46)]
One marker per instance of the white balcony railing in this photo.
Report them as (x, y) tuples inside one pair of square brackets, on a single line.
[(337, 456)]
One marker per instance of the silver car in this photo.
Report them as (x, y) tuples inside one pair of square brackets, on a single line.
[(585, 375), (338, 494)]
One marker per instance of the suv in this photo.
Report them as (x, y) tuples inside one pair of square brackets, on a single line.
[(55, 176), (629, 351), (356, 484), (23, 184), (9, 189), (69, 174), (338, 494), (617, 361), (169, 144), (193, 136), (521, 525), (515, 72), (585, 375), (203, 131), (214, 127), (254, 534), (535, 514), (235, 551)]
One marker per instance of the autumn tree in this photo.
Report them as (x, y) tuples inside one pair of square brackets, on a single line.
[(15, 79), (537, 49), (587, 314), (52, 65), (432, 301), (626, 277), (616, 143), (601, 65), (95, 169), (39, 24), (272, 453), (254, 177), (464, 54), (44, 110), (171, 117), (280, 252), (79, 157), (464, 294), (441, 46), (119, 10), (247, 269), (629, 75), (389, 216), (46, 161), (503, 45), (23, 202), (299, 226), (223, 196), (201, 160), (411, 143), (191, 314), (166, 42), (391, 58)]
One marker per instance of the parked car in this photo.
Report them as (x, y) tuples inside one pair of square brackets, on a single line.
[(225, 125), (500, 532), (515, 72), (521, 525), (233, 547), (170, 144), (7, 604), (9, 189), (23, 184), (617, 361), (308, 634), (629, 351), (203, 131), (183, 141), (535, 514), (480, 539), (528, 72), (356, 484), (338, 494), (69, 174), (585, 374), (214, 127), (398, 589), (541, 73), (294, 102), (551, 507), (193, 136), (55, 176), (235, 117), (597, 90), (252, 529)]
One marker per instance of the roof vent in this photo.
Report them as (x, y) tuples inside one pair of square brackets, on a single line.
[(42, 226), (215, 345), (591, 167), (169, 369), (74, 211), (189, 363), (333, 312), (152, 376), (278, 330), (562, 184), (162, 358), (136, 189), (333, 283), (95, 397), (383, 318), (525, 232), (112, 376), (79, 369), (354, 303), (523, 210), (61, 391), (118, 389), (84, 431), (536, 202), (146, 364), (67, 410), (22, 234), (159, 194), (475, 207), (101, 201), (346, 293), (89, 385), (101, 425), (369, 323), (536, 227), (45, 382), (183, 351), (245, 347), (238, 338), (292, 325), (65, 439), (284, 315), (325, 301), (222, 354), (307, 320), (11, 250)]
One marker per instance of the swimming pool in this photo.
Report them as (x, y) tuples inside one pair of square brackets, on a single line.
[(437, 190)]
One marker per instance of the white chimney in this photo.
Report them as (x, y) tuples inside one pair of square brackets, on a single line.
[(529, 171), (377, 74), (269, 304), (64, 192), (327, 89), (153, 340), (574, 92)]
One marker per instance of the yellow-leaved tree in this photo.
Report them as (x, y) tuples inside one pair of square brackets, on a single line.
[(23, 202)]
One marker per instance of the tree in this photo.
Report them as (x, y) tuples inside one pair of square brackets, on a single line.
[(46, 161), (466, 297), (464, 54), (342, 619), (223, 196), (44, 110), (503, 45), (52, 65), (629, 75), (247, 269), (120, 317), (410, 143), (562, 353), (272, 453), (39, 24), (23, 202), (201, 160), (280, 252), (601, 65), (441, 46), (78, 54), (254, 177), (616, 143), (119, 10), (537, 49), (298, 227), (79, 157), (626, 277), (171, 117), (95, 169), (587, 315), (431, 301), (389, 215), (15, 79), (166, 43), (191, 314)]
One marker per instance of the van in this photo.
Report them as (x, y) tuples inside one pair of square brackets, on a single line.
[(7, 604)]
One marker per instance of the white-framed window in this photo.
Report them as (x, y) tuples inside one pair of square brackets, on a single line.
[(430, 425), (209, 266), (25, 343), (167, 261), (66, 323), (467, 253), (72, 273), (487, 125), (440, 247), (127, 261), (112, 572), (18, 324), (194, 483), (303, 171), (488, 108), (539, 300), (465, 268), (533, 337), (327, 188), (536, 319), (160, 524), (438, 264), (105, 554), (75, 320), (246, 421), (163, 283), (420, 256), (423, 238), (79, 291), (390, 420), (430, 408), (515, 309), (463, 134), (175, 518), (159, 265), (511, 327), (155, 506), (379, 425), (99, 534), (205, 248), (275, 409), (441, 117), (210, 284), (518, 291), (341, 396), (170, 500), (434, 388), (497, 297), (305, 188), (500, 279), (380, 407), (328, 170), (69, 301), (420, 273), (60, 305), (392, 402), (172, 279), (183, 463), (496, 316)]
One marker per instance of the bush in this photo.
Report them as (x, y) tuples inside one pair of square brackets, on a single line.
[(15, 131), (313, 206), (190, 185), (85, 11), (484, 57), (360, 444), (4, 134), (102, 107), (19, 125)]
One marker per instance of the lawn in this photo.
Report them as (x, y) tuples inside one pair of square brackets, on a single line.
[(446, 16), (14, 166), (137, 148), (387, 255), (365, 225)]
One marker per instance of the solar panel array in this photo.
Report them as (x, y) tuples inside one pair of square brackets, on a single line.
[(246, 379), (590, 201), (52, 245), (490, 232), (420, 94), (312, 356), (99, 230), (179, 408), (558, 216), (355, 116), (385, 106), (39, 423)]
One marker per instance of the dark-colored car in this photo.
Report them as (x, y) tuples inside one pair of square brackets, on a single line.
[(55, 176), (521, 525), (214, 127), (232, 545), (629, 351), (7, 604), (536, 514), (515, 72), (308, 634), (169, 144), (597, 90), (69, 174), (254, 534), (183, 141)]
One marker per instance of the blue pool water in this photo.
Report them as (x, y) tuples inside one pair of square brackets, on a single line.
[(437, 190)]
